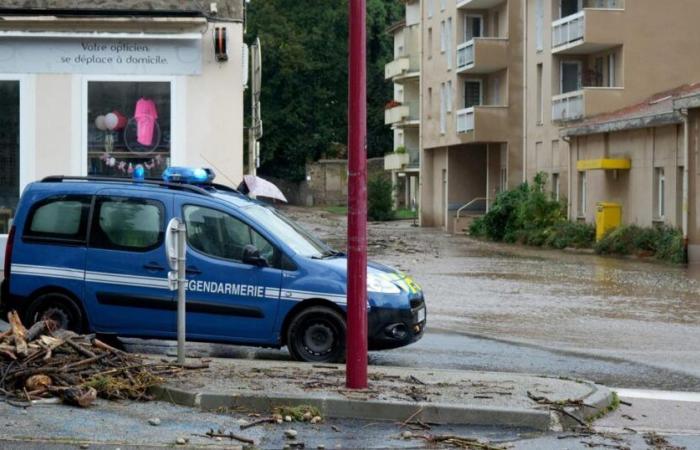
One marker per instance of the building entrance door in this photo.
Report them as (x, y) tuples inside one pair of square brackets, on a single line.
[(9, 151)]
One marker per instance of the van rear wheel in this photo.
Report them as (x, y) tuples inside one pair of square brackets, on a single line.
[(59, 308), (317, 334)]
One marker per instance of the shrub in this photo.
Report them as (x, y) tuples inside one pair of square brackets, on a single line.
[(662, 242), (379, 201), (571, 234), (400, 150)]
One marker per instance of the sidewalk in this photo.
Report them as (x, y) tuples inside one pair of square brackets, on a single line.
[(394, 394)]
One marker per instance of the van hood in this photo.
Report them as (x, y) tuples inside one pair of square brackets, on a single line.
[(339, 265)]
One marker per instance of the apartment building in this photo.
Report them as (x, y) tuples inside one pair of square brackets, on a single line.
[(471, 115), (403, 112), (590, 62)]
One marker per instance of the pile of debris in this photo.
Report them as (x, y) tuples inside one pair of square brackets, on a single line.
[(43, 364)]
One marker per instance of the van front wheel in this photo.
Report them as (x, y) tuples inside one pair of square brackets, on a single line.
[(317, 334), (58, 308)]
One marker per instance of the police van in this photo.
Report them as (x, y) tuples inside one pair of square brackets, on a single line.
[(89, 253)]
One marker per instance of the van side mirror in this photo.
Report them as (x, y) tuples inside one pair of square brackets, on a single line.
[(251, 255)]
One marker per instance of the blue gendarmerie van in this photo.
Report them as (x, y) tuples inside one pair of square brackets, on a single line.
[(89, 253)]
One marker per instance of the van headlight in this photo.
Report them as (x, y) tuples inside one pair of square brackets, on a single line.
[(381, 285)]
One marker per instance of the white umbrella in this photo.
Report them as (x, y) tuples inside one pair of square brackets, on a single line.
[(260, 187)]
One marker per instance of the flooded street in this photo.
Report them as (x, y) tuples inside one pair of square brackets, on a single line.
[(605, 308)]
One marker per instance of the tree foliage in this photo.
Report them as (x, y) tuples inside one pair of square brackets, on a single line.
[(304, 79)]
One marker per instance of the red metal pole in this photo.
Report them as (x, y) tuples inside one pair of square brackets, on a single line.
[(356, 367)]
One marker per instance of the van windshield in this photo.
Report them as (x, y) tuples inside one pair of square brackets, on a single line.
[(285, 229)]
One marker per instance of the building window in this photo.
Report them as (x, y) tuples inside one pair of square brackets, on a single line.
[(448, 91), (9, 152), (496, 24), (503, 175), (430, 102), (540, 95), (611, 70), (430, 8), (132, 224), (582, 194), (660, 197), (472, 93), (430, 42), (473, 27), (443, 109), (443, 37), (539, 25), (555, 186), (496, 90), (448, 46), (570, 76), (443, 5), (128, 124)]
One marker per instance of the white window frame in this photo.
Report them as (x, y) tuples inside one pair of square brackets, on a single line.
[(611, 70), (443, 36), (448, 90), (443, 5), (178, 122), (465, 26), (579, 75), (582, 193), (27, 126), (539, 25), (660, 181), (443, 109), (430, 8), (448, 48)]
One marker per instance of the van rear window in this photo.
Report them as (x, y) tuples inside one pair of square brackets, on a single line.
[(59, 218)]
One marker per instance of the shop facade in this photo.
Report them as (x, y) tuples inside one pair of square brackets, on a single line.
[(100, 92)]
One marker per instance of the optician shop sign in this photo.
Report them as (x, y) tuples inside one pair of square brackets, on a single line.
[(142, 56)]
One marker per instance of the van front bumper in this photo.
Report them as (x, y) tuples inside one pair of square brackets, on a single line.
[(392, 328)]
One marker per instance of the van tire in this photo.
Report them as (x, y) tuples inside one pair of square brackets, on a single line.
[(58, 307), (317, 334)]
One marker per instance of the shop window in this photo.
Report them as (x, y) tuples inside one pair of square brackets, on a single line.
[(127, 224), (9, 152), (61, 218), (128, 124)]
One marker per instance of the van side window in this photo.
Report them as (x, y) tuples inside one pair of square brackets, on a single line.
[(121, 223), (60, 218), (220, 235)]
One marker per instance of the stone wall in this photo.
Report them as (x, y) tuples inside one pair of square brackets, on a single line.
[(327, 180), (227, 9)]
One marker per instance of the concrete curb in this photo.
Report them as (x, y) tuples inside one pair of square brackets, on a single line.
[(599, 400)]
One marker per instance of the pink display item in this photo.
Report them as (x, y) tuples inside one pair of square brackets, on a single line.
[(146, 115)]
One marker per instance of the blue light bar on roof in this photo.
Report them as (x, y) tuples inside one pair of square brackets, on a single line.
[(189, 175)]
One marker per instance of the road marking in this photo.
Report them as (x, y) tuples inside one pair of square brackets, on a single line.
[(659, 395)]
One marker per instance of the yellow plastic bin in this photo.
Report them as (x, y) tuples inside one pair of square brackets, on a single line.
[(608, 216)]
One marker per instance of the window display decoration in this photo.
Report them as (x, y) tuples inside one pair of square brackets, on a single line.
[(127, 168)]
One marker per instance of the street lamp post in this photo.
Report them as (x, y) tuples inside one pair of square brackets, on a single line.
[(356, 367)]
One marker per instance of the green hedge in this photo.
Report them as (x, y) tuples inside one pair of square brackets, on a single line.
[(379, 201), (662, 242)]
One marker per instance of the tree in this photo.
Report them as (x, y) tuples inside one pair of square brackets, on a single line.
[(304, 79)]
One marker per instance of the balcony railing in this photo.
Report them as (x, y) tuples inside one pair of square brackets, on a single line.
[(402, 66), (465, 54), (465, 120), (407, 112), (569, 29), (569, 106)]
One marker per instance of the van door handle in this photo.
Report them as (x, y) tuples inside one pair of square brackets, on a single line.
[(153, 266), (193, 270)]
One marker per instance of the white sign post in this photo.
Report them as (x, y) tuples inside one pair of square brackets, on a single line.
[(175, 251)]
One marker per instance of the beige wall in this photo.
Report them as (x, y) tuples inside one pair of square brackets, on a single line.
[(662, 58), (506, 129), (433, 190), (634, 189), (207, 125)]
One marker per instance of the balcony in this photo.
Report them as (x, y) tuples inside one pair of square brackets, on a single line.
[(590, 30), (478, 4), (402, 68), (482, 55), (483, 124), (402, 115), (585, 103), (396, 161)]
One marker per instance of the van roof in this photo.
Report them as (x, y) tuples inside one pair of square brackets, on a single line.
[(219, 191)]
